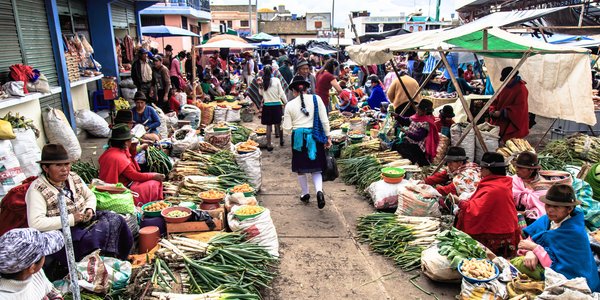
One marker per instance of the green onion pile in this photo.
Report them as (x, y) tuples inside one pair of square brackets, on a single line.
[(87, 171), (360, 171), (158, 161)]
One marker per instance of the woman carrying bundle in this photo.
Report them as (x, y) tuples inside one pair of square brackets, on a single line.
[(306, 117)]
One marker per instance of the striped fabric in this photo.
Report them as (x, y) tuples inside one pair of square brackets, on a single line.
[(591, 207), (253, 92)]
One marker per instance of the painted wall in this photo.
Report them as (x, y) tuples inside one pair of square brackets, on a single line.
[(178, 43), (80, 96), (31, 110)]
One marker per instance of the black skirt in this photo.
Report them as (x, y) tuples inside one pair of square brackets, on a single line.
[(271, 115), (302, 164)]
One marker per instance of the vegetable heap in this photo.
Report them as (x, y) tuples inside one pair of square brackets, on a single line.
[(512, 149), (158, 161), (247, 210), (202, 172), (87, 171), (401, 238), (240, 134), (458, 246), (478, 268)]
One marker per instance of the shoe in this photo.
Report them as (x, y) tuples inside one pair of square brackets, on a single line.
[(281, 143), (320, 200), (305, 198), (269, 148)]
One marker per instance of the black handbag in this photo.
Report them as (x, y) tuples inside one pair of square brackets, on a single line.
[(330, 173)]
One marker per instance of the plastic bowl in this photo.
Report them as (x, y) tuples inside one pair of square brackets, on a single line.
[(475, 280), (246, 194), (211, 200), (391, 180), (153, 213), (244, 217), (179, 219), (188, 204), (392, 172)]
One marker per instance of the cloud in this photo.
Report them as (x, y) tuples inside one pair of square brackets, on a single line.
[(344, 7)]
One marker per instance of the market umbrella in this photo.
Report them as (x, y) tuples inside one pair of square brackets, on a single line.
[(164, 31), (229, 44), (262, 37), (226, 37)]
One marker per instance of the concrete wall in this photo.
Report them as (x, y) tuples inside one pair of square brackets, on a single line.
[(178, 43), (31, 110)]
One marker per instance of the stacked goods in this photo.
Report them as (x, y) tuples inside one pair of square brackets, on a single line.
[(226, 267), (158, 161), (87, 171), (401, 238), (557, 154), (72, 66), (458, 246), (586, 147), (361, 149), (512, 149)]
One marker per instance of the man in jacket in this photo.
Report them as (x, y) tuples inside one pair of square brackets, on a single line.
[(303, 69), (141, 72), (162, 83)]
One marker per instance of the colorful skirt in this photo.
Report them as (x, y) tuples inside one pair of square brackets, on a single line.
[(302, 164), (148, 191), (271, 115), (504, 244)]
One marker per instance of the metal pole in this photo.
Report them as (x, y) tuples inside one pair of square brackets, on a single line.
[(64, 220), (250, 16)]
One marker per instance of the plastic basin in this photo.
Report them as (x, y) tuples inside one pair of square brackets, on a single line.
[(153, 213), (393, 172), (475, 280), (166, 211)]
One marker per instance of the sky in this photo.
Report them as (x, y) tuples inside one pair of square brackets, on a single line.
[(343, 7)]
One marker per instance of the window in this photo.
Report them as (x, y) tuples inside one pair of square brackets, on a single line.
[(151, 20), (184, 23), (229, 24), (318, 24), (244, 23)]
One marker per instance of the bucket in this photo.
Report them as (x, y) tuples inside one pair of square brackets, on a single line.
[(149, 237)]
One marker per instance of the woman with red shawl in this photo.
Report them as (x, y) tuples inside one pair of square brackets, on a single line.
[(421, 139), (326, 80), (490, 216), (510, 110), (117, 165)]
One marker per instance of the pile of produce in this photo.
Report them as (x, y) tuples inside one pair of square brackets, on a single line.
[(401, 238), (18, 121), (458, 246), (207, 147), (192, 185), (242, 188), (247, 146), (360, 171), (361, 149), (478, 268), (586, 147), (260, 131), (87, 171), (240, 134), (512, 149), (157, 206), (557, 154), (227, 267), (158, 161)]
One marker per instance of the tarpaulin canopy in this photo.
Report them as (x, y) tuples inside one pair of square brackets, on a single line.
[(262, 37), (165, 31), (226, 44)]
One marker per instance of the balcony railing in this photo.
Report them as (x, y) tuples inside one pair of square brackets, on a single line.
[(203, 5)]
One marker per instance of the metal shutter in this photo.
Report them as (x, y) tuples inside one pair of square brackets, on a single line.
[(78, 7), (63, 7), (123, 13), (11, 51), (37, 46)]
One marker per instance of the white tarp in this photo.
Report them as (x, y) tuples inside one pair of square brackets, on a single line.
[(559, 85)]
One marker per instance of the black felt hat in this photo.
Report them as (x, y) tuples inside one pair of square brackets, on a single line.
[(528, 160), (123, 116), (298, 82), (456, 154), (560, 194), (121, 132), (447, 112)]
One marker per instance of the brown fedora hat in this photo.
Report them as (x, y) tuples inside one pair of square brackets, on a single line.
[(560, 194), (527, 160), (54, 154)]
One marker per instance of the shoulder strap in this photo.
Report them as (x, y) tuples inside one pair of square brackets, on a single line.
[(316, 109)]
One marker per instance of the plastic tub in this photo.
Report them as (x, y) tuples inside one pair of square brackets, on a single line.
[(166, 211), (475, 280)]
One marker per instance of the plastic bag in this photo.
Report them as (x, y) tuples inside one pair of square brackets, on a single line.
[(128, 93), (491, 136), (11, 174), (41, 85), (330, 173), (493, 290), (384, 195), (437, 267), (163, 130), (92, 123), (58, 131), (259, 230), (184, 139), (27, 151), (220, 115), (14, 88), (191, 113), (127, 83), (6, 131), (233, 115), (418, 200), (260, 139), (181, 98), (251, 164), (120, 203)]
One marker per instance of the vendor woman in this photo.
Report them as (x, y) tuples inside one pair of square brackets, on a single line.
[(489, 216), (146, 116), (90, 229), (558, 240), (528, 186), (421, 138), (459, 177), (308, 154), (117, 165)]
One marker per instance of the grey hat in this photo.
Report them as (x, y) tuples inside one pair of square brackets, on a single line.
[(22, 247)]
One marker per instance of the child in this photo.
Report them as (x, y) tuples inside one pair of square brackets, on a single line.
[(444, 122), (22, 255)]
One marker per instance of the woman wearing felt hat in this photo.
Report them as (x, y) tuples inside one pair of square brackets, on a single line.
[(145, 115), (529, 186), (421, 139), (460, 176), (117, 165), (445, 121), (559, 240), (301, 115), (489, 216), (90, 229)]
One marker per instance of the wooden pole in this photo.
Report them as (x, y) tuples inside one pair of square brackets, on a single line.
[(463, 101), (411, 100), (356, 39), (422, 86), (485, 39), (489, 103), (581, 15), (193, 83)]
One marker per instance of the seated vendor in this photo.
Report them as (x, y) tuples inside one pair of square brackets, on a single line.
[(459, 177), (90, 229), (421, 138), (465, 87), (489, 216), (377, 95), (348, 101), (117, 165), (146, 116), (528, 186), (22, 256), (559, 240), (444, 121), (207, 87)]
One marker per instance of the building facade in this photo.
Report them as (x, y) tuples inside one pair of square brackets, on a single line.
[(241, 18)]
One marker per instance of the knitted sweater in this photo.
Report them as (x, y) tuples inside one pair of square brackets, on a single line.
[(294, 118), (35, 287)]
